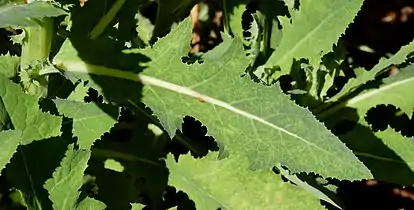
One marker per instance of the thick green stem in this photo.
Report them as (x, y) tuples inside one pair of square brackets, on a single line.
[(37, 42), (35, 56)]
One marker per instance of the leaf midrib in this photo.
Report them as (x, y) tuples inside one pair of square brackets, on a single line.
[(361, 98)]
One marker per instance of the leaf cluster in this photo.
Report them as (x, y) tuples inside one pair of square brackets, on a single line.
[(100, 110)]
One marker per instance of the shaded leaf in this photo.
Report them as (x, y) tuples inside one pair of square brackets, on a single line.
[(67, 179), (20, 15), (90, 121), (25, 115)]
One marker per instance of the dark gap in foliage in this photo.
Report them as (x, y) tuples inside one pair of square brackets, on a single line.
[(93, 96), (384, 26), (191, 58), (343, 127), (149, 10), (285, 82), (372, 194), (7, 46), (382, 116), (180, 199), (192, 138)]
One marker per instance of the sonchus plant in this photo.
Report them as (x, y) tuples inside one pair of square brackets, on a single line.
[(85, 70)]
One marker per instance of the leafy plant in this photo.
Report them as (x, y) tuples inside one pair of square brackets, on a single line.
[(101, 109)]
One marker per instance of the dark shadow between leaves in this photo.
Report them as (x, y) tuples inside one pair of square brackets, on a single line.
[(192, 138), (142, 176), (382, 116), (359, 195), (106, 50)]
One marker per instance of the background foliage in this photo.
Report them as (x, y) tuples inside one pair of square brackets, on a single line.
[(246, 104)]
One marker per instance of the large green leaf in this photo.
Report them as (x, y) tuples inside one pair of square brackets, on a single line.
[(67, 179), (312, 32), (21, 15), (248, 119), (25, 115), (9, 140), (90, 121), (229, 184), (364, 76)]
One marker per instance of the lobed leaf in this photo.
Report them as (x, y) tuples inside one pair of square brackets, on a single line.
[(247, 118)]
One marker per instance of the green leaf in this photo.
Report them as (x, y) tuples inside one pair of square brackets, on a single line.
[(364, 76), (32, 165), (9, 140), (90, 204), (229, 184), (137, 206), (67, 179), (90, 121), (79, 93), (233, 16), (387, 153), (306, 186), (22, 15), (9, 65), (395, 90), (315, 28), (248, 119), (25, 115)]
